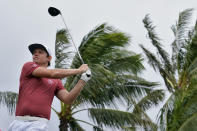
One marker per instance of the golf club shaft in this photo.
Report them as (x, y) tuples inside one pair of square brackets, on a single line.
[(71, 38)]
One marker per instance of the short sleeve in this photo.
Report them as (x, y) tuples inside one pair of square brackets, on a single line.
[(28, 68), (59, 86)]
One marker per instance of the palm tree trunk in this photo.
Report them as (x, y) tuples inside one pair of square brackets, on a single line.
[(65, 118), (63, 125)]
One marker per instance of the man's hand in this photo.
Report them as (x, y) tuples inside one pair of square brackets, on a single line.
[(83, 68), (86, 76), (69, 97)]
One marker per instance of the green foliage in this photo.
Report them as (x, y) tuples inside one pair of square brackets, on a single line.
[(148, 101), (9, 99), (116, 118), (62, 44), (114, 78), (178, 73), (75, 126)]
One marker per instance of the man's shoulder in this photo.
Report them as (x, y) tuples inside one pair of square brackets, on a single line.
[(29, 63), (28, 67), (32, 64)]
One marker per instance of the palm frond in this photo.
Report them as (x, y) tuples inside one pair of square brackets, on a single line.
[(75, 126), (62, 58), (115, 118), (56, 112), (96, 32), (102, 40), (190, 124), (129, 128), (152, 98), (138, 111), (191, 49), (132, 63), (95, 128), (105, 92), (156, 43), (195, 27), (62, 36), (97, 87), (185, 102), (180, 32), (192, 70), (165, 111), (181, 28), (137, 87), (9, 99), (168, 78), (152, 60)]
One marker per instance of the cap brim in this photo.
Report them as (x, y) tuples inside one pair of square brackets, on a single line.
[(32, 47)]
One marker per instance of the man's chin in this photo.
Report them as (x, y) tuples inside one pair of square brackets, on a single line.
[(36, 62)]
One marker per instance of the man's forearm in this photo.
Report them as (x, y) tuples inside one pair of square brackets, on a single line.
[(58, 73), (61, 73), (76, 91)]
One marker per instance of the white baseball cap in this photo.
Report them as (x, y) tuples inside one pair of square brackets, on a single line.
[(34, 46)]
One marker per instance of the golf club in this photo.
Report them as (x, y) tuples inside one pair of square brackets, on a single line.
[(54, 12)]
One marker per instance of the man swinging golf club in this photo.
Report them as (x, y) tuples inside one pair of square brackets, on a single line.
[(38, 85)]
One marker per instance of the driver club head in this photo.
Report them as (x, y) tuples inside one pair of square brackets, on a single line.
[(53, 11)]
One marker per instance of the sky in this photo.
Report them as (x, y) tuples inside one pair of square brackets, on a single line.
[(25, 22)]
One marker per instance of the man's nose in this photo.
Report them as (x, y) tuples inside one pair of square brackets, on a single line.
[(35, 54)]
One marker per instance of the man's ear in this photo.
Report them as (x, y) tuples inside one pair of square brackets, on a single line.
[(49, 57)]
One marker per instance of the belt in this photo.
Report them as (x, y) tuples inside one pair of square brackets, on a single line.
[(31, 118)]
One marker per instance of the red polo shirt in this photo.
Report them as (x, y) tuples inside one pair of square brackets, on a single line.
[(36, 94)]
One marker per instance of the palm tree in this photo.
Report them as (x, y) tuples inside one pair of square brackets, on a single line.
[(178, 72), (114, 80), (9, 99)]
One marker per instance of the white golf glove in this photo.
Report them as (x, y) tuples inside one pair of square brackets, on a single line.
[(86, 76)]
